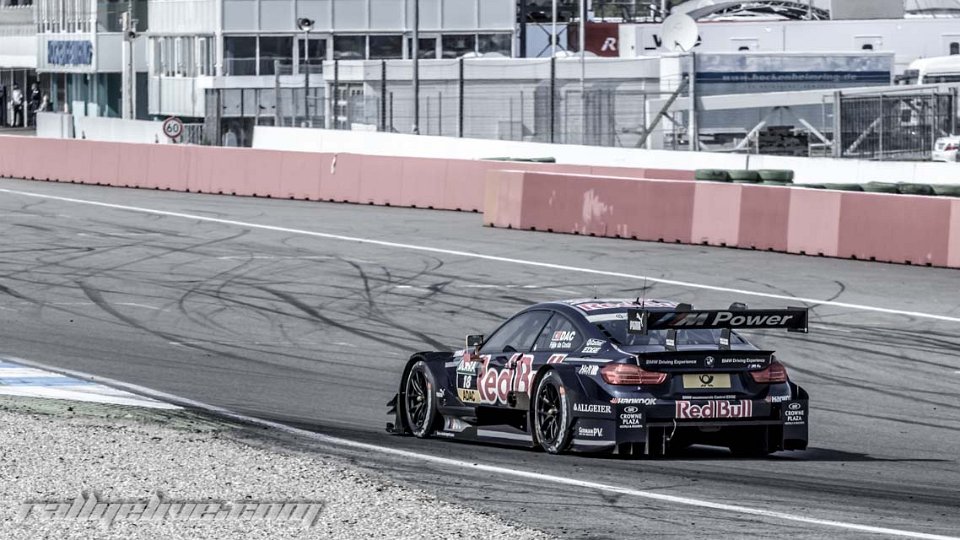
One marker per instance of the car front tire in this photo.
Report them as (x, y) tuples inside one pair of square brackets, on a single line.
[(420, 402)]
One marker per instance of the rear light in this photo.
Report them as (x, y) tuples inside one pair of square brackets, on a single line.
[(774, 373), (629, 374), (951, 146)]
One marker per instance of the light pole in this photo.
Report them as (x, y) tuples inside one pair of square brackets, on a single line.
[(553, 30), (129, 27), (416, 67), (306, 25), (583, 71)]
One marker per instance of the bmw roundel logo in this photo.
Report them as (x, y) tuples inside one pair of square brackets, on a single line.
[(709, 360), (794, 406), (631, 409)]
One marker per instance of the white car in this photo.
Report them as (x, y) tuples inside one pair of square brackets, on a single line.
[(945, 149)]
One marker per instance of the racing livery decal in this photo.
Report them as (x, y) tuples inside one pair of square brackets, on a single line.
[(714, 409)]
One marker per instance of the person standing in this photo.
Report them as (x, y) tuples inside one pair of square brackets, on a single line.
[(34, 104), (3, 105), (16, 100)]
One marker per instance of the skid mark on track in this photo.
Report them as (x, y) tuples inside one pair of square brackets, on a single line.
[(494, 258)]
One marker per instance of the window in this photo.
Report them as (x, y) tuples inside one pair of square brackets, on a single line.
[(349, 47), (428, 47), (240, 55), (954, 48), (386, 47), (559, 335), (316, 52), (496, 43), (457, 45), (275, 49), (517, 334)]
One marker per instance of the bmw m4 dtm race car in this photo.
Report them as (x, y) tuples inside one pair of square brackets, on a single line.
[(628, 376)]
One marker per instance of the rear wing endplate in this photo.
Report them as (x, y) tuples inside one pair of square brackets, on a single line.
[(640, 321)]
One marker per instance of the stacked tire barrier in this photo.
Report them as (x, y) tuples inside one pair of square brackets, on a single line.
[(912, 229)]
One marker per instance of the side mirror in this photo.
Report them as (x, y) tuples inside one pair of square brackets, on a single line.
[(474, 342)]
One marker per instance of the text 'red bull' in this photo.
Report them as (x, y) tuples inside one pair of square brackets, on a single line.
[(686, 410)]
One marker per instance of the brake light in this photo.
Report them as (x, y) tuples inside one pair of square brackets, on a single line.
[(774, 373), (951, 146), (628, 374)]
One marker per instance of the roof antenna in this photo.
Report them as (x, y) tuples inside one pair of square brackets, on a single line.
[(596, 292), (642, 299)]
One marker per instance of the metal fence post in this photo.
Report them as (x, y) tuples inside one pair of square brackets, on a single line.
[(881, 127), (521, 115), (460, 105), (335, 95), (553, 98), (837, 125), (953, 110), (383, 95), (276, 90)]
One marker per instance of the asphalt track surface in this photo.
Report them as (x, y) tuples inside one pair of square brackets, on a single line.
[(313, 331)]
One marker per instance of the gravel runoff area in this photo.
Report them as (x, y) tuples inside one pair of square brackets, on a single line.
[(54, 450)]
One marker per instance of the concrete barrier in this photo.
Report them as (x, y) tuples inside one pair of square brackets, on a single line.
[(892, 228), (559, 198), (813, 222), (716, 214), (895, 228), (764, 217)]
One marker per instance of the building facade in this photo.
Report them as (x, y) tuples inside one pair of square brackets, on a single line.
[(18, 58), (80, 54), (196, 45)]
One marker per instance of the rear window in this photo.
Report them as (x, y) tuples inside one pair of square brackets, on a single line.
[(617, 330)]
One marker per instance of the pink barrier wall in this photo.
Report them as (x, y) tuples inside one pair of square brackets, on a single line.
[(647, 204), (813, 222), (894, 228), (716, 218), (764, 217)]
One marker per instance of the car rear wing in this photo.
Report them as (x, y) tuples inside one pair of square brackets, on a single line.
[(641, 321)]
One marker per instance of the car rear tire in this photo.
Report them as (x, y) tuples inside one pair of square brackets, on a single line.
[(551, 415), (419, 401)]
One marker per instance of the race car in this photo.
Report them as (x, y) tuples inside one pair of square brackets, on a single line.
[(629, 376)]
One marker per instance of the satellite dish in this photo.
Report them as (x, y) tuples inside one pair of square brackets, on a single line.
[(679, 32)]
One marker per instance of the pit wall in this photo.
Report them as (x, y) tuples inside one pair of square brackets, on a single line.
[(646, 204), (806, 170), (907, 229)]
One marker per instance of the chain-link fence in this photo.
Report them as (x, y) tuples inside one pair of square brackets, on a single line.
[(895, 125), (548, 100)]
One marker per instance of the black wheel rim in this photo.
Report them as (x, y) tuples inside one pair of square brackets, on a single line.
[(418, 402), (548, 414)]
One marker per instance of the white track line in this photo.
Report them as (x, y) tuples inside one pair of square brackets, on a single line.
[(551, 266), (493, 469)]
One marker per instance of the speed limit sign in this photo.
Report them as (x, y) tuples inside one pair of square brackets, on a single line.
[(173, 128)]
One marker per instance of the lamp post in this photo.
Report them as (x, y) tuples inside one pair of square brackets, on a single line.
[(306, 25), (416, 67)]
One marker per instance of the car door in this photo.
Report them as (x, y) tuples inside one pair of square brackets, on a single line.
[(505, 362)]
